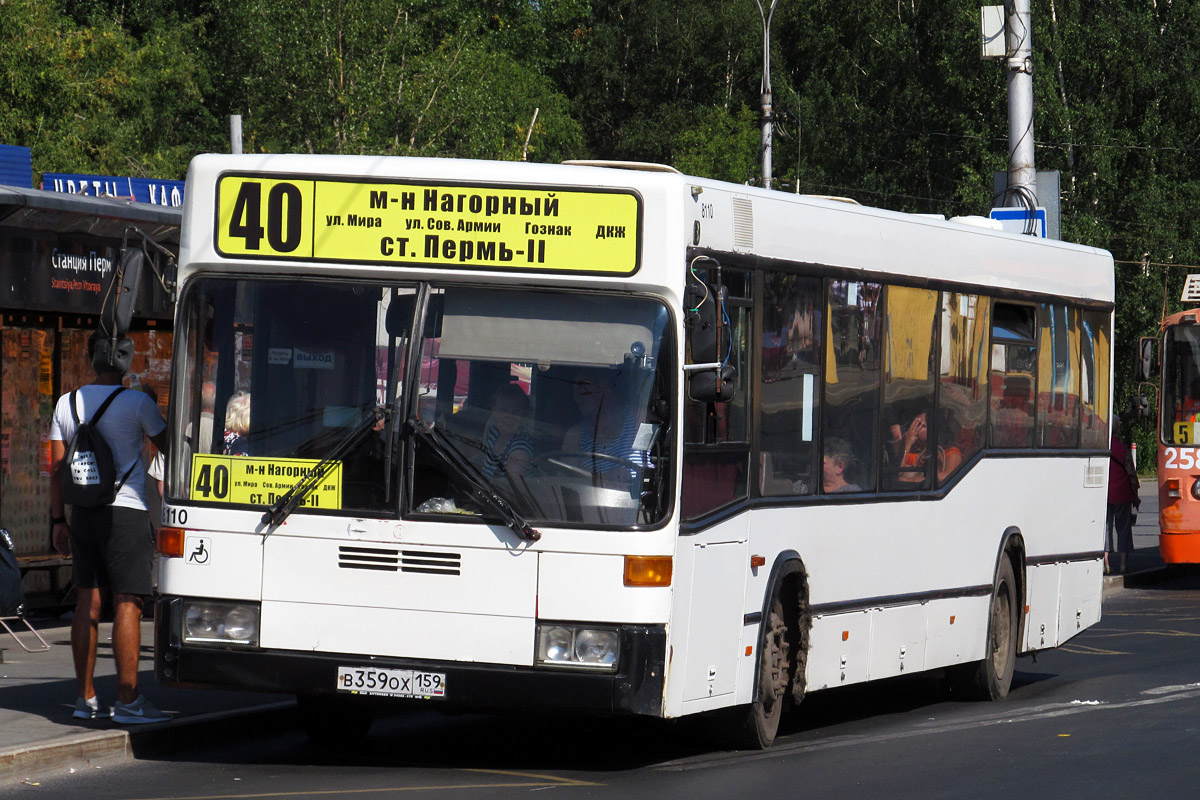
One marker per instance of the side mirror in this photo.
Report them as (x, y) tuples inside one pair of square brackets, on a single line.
[(713, 385), (117, 312), (1143, 362), (709, 381), (704, 322), (1139, 406)]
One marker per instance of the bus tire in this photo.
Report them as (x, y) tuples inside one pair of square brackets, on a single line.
[(991, 678), (333, 721), (755, 726)]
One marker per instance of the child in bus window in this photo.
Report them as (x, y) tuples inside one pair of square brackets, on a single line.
[(237, 425)]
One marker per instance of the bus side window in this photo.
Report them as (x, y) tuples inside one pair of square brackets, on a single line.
[(850, 418), (789, 382), (1013, 387), (963, 396), (1094, 341), (908, 452), (1058, 376)]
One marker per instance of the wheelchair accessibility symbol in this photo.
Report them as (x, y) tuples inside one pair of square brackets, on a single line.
[(197, 549)]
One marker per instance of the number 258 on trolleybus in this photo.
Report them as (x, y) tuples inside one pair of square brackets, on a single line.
[(475, 435)]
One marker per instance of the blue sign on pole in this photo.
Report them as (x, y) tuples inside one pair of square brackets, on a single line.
[(140, 190), (1016, 220)]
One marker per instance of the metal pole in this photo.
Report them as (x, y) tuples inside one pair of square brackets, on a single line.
[(235, 134), (1022, 174), (768, 115)]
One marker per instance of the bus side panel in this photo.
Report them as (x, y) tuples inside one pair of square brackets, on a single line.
[(214, 564), (1079, 604), (707, 619), (839, 650), (1042, 599), (897, 641), (956, 631)]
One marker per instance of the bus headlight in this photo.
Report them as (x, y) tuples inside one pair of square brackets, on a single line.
[(579, 646), (220, 622), (1196, 489)]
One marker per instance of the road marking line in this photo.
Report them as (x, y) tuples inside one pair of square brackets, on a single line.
[(541, 781), (1034, 713), (1086, 650)]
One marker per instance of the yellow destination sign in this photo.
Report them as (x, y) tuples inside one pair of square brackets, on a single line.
[(466, 227), (248, 480)]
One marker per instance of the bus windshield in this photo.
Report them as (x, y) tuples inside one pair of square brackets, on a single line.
[(556, 402), (1181, 384)]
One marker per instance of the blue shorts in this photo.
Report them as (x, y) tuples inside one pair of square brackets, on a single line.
[(112, 548)]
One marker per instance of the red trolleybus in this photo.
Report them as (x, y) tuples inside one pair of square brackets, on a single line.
[(1179, 426)]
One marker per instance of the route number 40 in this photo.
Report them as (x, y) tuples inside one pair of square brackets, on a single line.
[(283, 211)]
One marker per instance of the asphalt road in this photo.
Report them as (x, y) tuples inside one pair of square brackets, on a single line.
[(1115, 711)]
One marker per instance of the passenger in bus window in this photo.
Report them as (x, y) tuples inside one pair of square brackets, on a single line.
[(604, 438), (836, 465), (507, 446), (237, 425), (910, 444)]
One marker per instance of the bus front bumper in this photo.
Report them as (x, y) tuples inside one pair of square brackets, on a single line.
[(635, 688)]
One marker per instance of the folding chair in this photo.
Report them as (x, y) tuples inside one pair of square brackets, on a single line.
[(20, 618), (12, 597)]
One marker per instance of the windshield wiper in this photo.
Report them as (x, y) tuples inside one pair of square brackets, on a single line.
[(475, 481), (285, 505)]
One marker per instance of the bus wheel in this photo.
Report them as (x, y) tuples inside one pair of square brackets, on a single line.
[(991, 678), (756, 725), (333, 721)]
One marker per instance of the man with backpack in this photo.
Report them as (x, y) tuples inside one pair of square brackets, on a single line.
[(96, 468)]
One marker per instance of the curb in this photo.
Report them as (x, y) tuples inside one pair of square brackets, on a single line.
[(28, 763), (1134, 580), (79, 750)]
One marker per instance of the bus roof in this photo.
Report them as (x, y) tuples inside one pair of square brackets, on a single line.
[(613, 223)]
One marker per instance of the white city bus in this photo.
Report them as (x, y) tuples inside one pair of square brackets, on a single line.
[(610, 438)]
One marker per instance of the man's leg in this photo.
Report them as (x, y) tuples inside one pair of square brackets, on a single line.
[(127, 643), (83, 639)]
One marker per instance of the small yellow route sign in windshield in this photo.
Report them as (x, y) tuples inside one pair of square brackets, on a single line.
[(248, 480)]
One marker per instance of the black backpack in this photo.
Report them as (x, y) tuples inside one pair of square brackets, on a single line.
[(89, 477)]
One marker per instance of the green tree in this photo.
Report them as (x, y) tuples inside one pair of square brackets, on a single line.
[(94, 99), (366, 76)]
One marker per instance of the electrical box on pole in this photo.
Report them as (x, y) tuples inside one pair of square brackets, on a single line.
[(991, 23)]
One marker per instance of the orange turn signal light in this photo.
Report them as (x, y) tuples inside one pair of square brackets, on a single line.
[(648, 570), (170, 542), (1172, 485)]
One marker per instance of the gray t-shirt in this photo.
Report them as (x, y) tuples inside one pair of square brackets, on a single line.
[(129, 417)]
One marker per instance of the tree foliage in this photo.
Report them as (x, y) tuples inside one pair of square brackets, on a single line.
[(887, 102)]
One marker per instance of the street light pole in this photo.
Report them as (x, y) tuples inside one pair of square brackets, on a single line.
[(1022, 174), (768, 115)]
